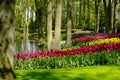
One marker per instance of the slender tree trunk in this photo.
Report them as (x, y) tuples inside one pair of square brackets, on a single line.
[(56, 44), (97, 11), (80, 12), (84, 15), (110, 16), (76, 14), (6, 39), (105, 2), (25, 36), (49, 24), (69, 23), (115, 14), (88, 14)]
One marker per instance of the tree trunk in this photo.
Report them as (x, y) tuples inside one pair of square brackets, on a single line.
[(49, 24), (97, 11), (88, 14), (80, 13), (25, 36), (84, 15), (76, 14), (69, 24), (110, 16), (56, 44), (106, 14), (6, 39), (115, 14)]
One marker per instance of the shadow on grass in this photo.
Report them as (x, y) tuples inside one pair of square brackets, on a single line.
[(112, 72), (46, 76), (37, 76)]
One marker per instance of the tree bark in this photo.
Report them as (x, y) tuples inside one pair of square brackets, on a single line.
[(84, 15), (25, 36), (56, 41), (69, 24), (49, 24), (97, 11), (105, 2), (88, 14), (110, 16), (80, 12), (115, 14), (6, 39)]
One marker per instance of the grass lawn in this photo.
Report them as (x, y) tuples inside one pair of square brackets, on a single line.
[(104, 72)]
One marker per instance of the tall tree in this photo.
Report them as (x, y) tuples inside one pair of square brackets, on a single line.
[(6, 39), (115, 19), (80, 12), (49, 24), (26, 20), (56, 41), (88, 14), (109, 7), (97, 12), (105, 2), (84, 14), (110, 16), (22, 18), (69, 23)]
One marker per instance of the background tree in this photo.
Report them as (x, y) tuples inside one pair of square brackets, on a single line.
[(49, 24), (69, 23), (56, 44), (87, 15), (97, 12), (24, 15), (115, 14), (6, 39)]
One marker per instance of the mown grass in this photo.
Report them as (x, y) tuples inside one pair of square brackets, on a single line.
[(104, 72)]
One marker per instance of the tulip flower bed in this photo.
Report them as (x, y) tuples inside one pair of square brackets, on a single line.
[(88, 55), (89, 38), (101, 41)]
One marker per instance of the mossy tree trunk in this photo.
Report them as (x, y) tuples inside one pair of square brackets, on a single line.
[(6, 39)]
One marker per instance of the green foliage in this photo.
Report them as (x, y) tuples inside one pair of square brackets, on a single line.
[(98, 58), (42, 45), (19, 36), (32, 27), (78, 44)]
